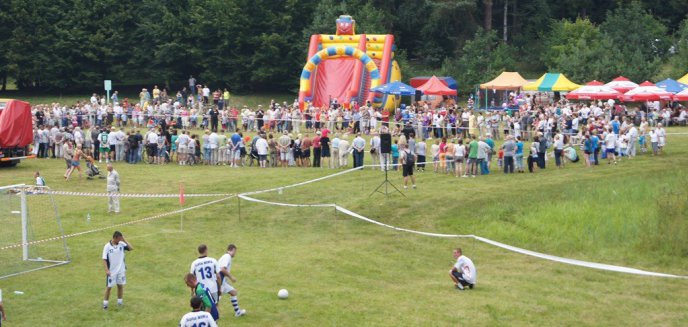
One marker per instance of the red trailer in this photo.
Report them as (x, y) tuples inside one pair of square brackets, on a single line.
[(16, 131)]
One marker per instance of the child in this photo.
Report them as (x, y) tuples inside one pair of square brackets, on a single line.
[(642, 143), (39, 180), (623, 145), (500, 158), (191, 148)]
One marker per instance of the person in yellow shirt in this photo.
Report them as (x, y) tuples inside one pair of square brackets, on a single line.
[(472, 124), (156, 93), (226, 97)]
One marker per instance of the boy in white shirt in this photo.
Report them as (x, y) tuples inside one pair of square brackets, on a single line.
[(115, 268), (463, 272)]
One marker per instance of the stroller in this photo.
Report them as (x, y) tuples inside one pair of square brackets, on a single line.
[(91, 169)]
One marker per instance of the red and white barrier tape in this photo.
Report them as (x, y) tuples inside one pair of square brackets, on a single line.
[(117, 225), (132, 195)]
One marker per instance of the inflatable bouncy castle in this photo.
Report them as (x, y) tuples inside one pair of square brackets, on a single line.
[(345, 66)]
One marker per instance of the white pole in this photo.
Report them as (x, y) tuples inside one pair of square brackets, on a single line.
[(25, 227)]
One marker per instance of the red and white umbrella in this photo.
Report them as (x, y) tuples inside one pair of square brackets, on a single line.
[(622, 84), (647, 92), (594, 91), (681, 96)]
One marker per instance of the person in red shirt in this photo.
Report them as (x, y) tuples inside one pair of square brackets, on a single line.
[(216, 96)]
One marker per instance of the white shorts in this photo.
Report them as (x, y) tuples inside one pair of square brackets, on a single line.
[(118, 279), (283, 156), (226, 288)]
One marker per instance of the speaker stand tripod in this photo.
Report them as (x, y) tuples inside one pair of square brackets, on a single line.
[(386, 184)]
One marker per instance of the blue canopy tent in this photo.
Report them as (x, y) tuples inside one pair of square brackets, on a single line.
[(395, 88), (671, 85)]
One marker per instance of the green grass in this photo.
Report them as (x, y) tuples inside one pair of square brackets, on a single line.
[(251, 100), (342, 271)]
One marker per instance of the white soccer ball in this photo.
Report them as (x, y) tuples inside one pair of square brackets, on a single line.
[(283, 294)]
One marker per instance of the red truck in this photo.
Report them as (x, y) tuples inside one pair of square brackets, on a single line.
[(16, 131)]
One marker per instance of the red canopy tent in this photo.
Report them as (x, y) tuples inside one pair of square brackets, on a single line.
[(594, 82), (594, 91), (435, 87), (622, 84), (647, 91)]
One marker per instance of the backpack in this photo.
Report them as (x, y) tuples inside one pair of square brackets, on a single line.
[(409, 158)]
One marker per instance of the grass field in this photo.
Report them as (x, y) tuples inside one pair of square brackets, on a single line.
[(251, 100), (344, 272)]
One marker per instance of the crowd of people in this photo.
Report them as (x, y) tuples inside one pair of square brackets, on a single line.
[(202, 128)]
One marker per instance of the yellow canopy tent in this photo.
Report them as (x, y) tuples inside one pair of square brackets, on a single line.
[(683, 79), (505, 81)]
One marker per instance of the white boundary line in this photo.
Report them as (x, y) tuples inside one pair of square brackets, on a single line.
[(575, 262)]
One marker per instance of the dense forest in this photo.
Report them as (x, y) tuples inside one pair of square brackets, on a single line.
[(260, 45)]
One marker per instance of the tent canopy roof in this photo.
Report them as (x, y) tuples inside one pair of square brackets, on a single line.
[(435, 87), (683, 79), (505, 81), (551, 82)]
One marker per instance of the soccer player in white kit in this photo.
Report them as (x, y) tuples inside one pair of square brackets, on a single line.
[(197, 317), (113, 260), (463, 273), (225, 267), (206, 271)]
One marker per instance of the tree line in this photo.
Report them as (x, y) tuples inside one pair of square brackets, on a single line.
[(261, 45)]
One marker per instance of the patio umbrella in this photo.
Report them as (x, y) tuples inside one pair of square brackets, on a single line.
[(622, 84), (681, 96), (672, 86), (395, 88), (647, 91), (594, 91)]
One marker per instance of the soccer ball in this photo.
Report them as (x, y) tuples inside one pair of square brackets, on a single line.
[(283, 294)]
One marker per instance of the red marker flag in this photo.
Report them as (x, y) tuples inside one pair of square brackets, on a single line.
[(181, 194)]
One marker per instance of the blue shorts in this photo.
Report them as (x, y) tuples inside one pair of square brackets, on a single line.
[(611, 150)]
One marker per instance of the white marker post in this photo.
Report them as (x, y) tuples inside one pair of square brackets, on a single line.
[(108, 87)]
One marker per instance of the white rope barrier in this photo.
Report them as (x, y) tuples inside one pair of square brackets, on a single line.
[(575, 262)]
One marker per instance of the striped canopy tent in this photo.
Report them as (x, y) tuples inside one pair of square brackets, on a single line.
[(551, 82), (683, 79)]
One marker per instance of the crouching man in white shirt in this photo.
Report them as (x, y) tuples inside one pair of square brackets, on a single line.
[(463, 273)]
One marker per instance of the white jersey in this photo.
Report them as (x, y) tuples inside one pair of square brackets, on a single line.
[(225, 262), (467, 268), (197, 319), (610, 141), (114, 255), (205, 269)]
